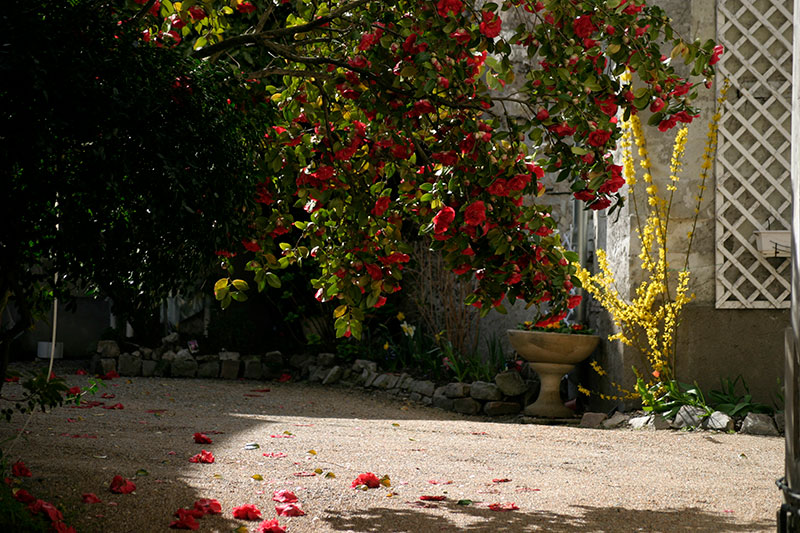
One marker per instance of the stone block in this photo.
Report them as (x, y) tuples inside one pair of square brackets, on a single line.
[(208, 369), (641, 422), (510, 383), (318, 373), (147, 353), (184, 367), (149, 368), (617, 420), (661, 423), (300, 360), (129, 365), (252, 367), (326, 359), (404, 382), (229, 356), (719, 421), (457, 390), (333, 375), (360, 365), (172, 338), (370, 378), (467, 406), (229, 368), (162, 369), (273, 359), (481, 390), (108, 364), (592, 420), (108, 348), (415, 397), (427, 400), (501, 408), (443, 402), (385, 381), (168, 355), (759, 424), (688, 416), (780, 421), (424, 388)]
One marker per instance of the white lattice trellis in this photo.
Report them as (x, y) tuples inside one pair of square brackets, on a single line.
[(753, 186)]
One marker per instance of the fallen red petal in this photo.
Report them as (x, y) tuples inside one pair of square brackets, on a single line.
[(115, 406), (284, 378), (202, 457), (270, 526), (289, 509), (439, 482), (120, 485), (369, 479), (503, 506), (284, 496), (247, 512), (81, 372), (24, 496), (108, 395), (208, 506), (19, 469), (274, 454), (201, 438), (90, 497), (186, 520), (305, 474), (432, 498), (500, 480)]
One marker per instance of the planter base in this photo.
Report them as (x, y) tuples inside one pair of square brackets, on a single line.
[(549, 403)]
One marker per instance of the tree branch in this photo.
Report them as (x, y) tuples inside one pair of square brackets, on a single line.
[(253, 38)]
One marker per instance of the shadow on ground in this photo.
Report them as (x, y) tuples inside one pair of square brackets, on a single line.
[(586, 519)]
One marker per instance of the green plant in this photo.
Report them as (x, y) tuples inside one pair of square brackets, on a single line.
[(472, 366), (730, 402), (39, 392), (15, 516), (667, 397)]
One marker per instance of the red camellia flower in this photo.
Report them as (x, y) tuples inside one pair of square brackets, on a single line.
[(583, 26), (284, 496), (19, 469), (667, 124), (607, 106), (369, 479), (120, 485), (202, 457), (74, 391), (24, 496), (41, 506), (542, 115), (270, 526), (491, 24), (598, 138), (202, 438), (443, 219), (475, 214), (718, 51), (247, 512), (197, 13), (600, 204), (586, 195), (446, 6), (461, 36), (289, 509), (657, 105), (381, 205), (246, 7), (90, 497), (574, 301), (562, 130)]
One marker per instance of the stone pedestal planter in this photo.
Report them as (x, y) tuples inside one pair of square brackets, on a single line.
[(551, 355)]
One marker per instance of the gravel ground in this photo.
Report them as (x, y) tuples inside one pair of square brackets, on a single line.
[(561, 478)]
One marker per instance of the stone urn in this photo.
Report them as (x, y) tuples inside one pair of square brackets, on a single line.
[(551, 355)]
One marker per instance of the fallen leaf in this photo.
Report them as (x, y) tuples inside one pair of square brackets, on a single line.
[(330, 475), (257, 477), (386, 482), (251, 446), (247, 512), (241, 529), (503, 506), (464, 502), (142, 472), (289, 509), (318, 470), (396, 425), (432, 498), (101, 456), (312, 452)]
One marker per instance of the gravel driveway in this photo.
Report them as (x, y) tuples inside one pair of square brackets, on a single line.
[(314, 441)]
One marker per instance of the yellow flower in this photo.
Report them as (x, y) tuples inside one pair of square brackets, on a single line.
[(401, 317)]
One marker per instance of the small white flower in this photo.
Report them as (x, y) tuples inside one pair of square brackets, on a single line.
[(408, 329)]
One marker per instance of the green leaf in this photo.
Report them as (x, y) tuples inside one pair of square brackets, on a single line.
[(240, 284), (273, 280)]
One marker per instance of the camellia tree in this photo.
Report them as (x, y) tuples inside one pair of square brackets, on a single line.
[(438, 118)]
